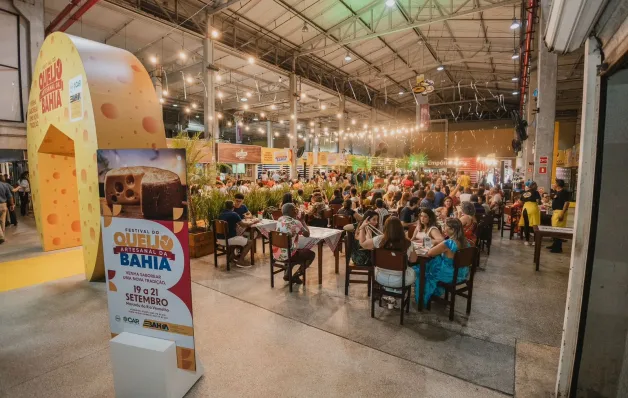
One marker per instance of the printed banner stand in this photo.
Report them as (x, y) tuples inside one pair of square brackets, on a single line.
[(143, 202)]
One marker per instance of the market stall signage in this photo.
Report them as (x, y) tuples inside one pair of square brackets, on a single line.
[(234, 153), (542, 170), (276, 156), (145, 246), (543, 160)]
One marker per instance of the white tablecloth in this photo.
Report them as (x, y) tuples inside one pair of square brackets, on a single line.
[(330, 236), (268, 225)]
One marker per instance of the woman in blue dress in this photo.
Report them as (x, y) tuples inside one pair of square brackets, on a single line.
[(441, 267)]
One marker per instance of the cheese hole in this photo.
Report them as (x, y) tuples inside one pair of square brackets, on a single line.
[(119, 187), (130, 181), (114, 198), (129, 194)]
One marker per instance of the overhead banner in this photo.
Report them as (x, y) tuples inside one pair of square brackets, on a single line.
[(276, 156), (145, 245), (235, 153)]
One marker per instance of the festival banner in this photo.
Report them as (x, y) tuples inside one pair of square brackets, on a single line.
[(276, 156), (145, 245)]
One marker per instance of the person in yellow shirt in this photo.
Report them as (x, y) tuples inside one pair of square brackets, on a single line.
[(464, 180)]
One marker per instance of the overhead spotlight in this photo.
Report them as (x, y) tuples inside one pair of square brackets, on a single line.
[(182, 55), (515, 24), (280, 79), (514, 78), (440, 68), (348, 57), (197, 116), (251, 60), (390, 3), (401, 92), (515, 93), (165, 92), (255, 118), (215, 33), (244, 99), (194, 105), (305, 29), (189, 79), (175, 105), (515, 55), (153, 59)]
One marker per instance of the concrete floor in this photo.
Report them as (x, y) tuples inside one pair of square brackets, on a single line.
[(258, 341), (21, 241)]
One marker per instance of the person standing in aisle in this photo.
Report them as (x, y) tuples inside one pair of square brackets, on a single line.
[(560, 206), (531, 214), (464, 180), (6, 204), (24, 192)]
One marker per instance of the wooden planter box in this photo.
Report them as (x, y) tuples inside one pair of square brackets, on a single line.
[(201, 244)]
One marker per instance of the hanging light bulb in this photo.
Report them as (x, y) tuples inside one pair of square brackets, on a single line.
[(515, 24), (182, 55), (305, 29), (246, 128), (153, 59), (187, 110), (219, 115), (245, 107), (352, 121), (218, 77), (251, 60), (401, 92), (189, 79), (161, 100), (440, 68), (276, 134), (339, 115), (390, 3), (262, 114), (515, 55), (303, 95), (323, 107), (229, 124), (348, 57), (248, 94), (165, 93), (273, 107), (220, 95), (515, 93), (194, 105), (215, 33), (514, 78)]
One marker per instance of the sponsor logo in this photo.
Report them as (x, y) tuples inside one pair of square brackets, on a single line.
[(241, 154), (155, 325), (133, 321), (118, 318)]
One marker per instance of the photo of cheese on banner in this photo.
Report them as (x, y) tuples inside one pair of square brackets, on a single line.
[(84, 96), (143, 183)]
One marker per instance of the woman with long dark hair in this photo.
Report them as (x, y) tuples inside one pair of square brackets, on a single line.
[(427, 229), (441, 267), (393, 238)]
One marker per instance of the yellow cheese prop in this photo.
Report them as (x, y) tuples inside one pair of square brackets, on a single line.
[(85, 96)]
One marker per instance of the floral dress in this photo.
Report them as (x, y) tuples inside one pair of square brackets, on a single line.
[(439, 269)]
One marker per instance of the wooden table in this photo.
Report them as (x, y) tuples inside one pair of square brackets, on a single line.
[(251, 229), (423, 258), (553, 232)]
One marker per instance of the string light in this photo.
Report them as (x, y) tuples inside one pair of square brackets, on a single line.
[(251, 60), (219, 115), (228, 124), (262, 114), (273, 107), (246, 128), (218, 77), (182, 55), (189, 79), (161, 100), (353, 121), (194, 105), (165, 92), (245, 107), (339, 115), (187, 110), (215, 33), (323, 107), (220, 95), (153, 59)]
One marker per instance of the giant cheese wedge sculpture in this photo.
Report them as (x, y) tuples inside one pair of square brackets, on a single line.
[(85, 96)]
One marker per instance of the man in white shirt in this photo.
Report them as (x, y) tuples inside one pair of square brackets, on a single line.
[(264, 176)]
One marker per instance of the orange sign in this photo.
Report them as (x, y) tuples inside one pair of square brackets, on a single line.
[(543, 170), (276, 156)]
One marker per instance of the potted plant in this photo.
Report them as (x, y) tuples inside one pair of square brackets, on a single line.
[(201, 240)]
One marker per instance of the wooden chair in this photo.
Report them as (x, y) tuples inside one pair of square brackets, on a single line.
[(497, 215), (327, 215), (463, 258), (339, 222), (393, 260), (411, 230), (276, 214), (353, 269), (335, 208), (222, 228), (484, 232), (283, 241), (509, 220)]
